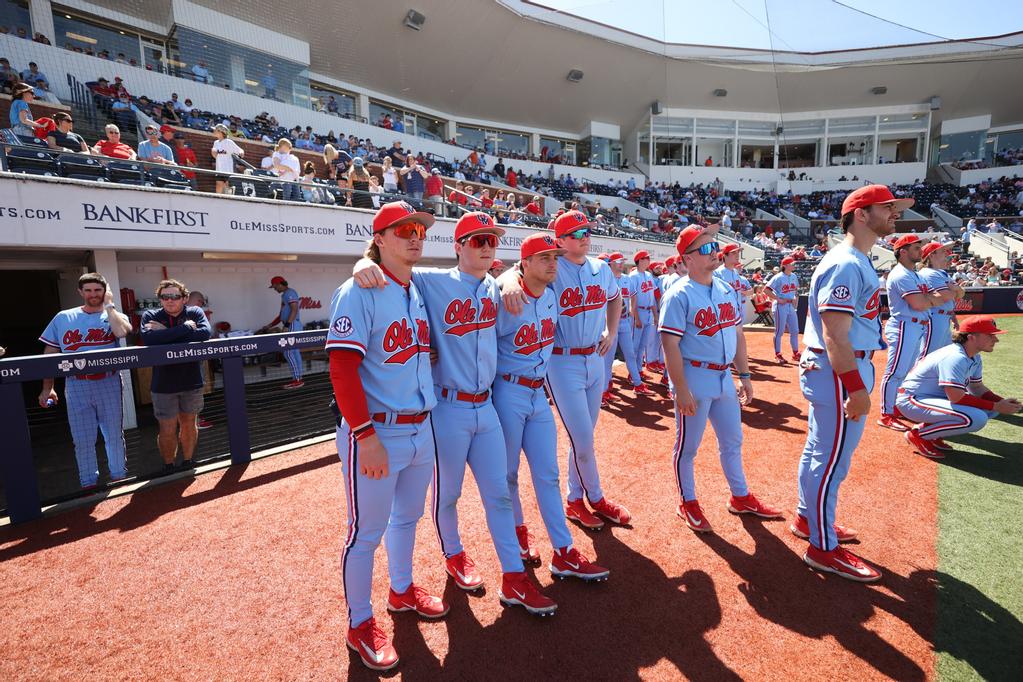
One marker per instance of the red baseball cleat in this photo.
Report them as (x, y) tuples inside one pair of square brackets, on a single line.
[(643, 375), (372, 645), (889, 421), (291, 385), (801, 529), (570, 563), (642, 389), (795, 356), (605, 399), (463, 570), (527, 552), (664, 380), (576, 511), (691, 513), (201, 423), (922, 445), (842, 562), (780, 358), (516, 590), (416, 599), (615, 513), (939, 444), (751, 505)]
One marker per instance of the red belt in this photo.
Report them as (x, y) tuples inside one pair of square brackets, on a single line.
[(709, 365), (921, 320), (646, 307), (465, 397), (401, 418), (861, 354), (93, 377), (523, 381), (589, 350)]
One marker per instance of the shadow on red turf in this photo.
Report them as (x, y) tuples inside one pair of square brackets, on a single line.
[(144, 507)]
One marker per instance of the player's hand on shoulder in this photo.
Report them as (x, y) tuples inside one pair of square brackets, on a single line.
[(372, 457), (369, 275), (513, 298), (857, 405)]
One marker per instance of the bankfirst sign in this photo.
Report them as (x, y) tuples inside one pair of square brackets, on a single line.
[(73, 214)]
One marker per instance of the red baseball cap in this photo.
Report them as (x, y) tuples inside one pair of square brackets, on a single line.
[(669, 261), (729, 248), (640, 255), (498, 263), (277, 280), (686, 237), (398, 212), (873, 194), (656, 264), (905, 240), (570, 221), (476, 222), (979, 324), (604, 257), (932, 247), (615, 256), (166, 129), (539, 243), (788, 261)]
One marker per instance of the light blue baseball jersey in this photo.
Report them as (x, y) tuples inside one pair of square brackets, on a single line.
[(669, 280), (463, 316), (74, 330), (784, 286), (948, 366), (733, 280), (525, 342), (390, 329), (845, 281), (288, 296), (903, 282), (624, 283), (583, 291), (704, 317), (643, 286), (937, 280)]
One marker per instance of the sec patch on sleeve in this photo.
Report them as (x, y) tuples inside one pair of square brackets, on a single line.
[(342, 326), (841, 293)]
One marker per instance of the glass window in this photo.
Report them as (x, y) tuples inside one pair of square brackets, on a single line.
[(902, 122), (509, 144), (470, 136), (14, 17), (555, 150), (81, 35), (208, 59), (900, 148), (850, 151), (715, 126), (757, 128), (797, 155), (430, 128), (851, 126), (672, 126), (712, 151), (808, 128), (384, 115), (673, 152), (962, 147), (595, 151), (756, 155), (1010, 140), (343, 104)]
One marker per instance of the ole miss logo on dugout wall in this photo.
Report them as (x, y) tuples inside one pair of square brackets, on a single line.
[(572, 301), (402, 344), (462, 316)]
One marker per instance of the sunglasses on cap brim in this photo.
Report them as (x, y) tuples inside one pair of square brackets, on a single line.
[(706, 249), (478, 241)]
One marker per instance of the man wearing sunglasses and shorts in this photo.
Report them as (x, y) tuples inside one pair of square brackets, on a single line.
[(462, 305), (589, 311), (379, 347), (698, 320)]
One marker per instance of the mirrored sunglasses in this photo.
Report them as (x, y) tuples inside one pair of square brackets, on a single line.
[(579, 234), (478, 241), (408, 230), (706, 249)]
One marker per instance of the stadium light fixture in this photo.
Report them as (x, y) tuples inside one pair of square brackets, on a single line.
[(879, 90), (415, 20), (720, 92)]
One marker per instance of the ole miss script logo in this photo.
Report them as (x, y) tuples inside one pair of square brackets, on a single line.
[(873, 306), (528, 340), (74, 339), (461, 315), (402, 344), (572, 301), (710, 323)]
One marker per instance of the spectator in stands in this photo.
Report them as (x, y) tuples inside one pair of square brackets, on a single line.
[(8, 76), (20, 115), (358, 179), (112, 146), (167, 137), (185, 156), (331, 105), (415, 178), (223, 152), (511, 179), (200, 74), (33, 74), (376, 191), (176, 389), (41, 39), (287, 168), (152, 149), (269, 83), (234, 131), (63, 138), (167, 114), (310, 192), (397, 155), (123, 104), (389, 175), (434, 193), (456, 198), (336, 162)]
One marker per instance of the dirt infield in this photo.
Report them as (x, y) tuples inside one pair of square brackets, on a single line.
[(234, 574)]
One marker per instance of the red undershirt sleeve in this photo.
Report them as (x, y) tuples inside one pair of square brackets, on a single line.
[(349, 392)]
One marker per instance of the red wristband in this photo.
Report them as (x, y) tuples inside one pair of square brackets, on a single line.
[(852, 381), (992, 396), (365, 433), (973, 401)]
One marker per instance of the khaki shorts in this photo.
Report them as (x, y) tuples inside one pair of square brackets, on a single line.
[(170, 405)]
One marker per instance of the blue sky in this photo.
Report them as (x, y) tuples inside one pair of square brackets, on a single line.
[(801, 25)]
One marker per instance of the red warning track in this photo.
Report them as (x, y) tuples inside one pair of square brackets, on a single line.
[(234, 574)]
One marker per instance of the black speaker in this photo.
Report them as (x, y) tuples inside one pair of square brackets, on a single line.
[(655, 108), (575, 75), (415, 20)]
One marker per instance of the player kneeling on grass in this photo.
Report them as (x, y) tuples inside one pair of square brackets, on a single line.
[(945, 392), (697, 325), (524, 346), (379, 343)]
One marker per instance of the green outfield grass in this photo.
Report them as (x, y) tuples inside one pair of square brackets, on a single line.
[(980, 547)]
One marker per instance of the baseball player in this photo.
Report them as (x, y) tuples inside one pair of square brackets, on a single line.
[(462, 305), (783, 290), (945, 392), (497, 267), (697, 325), (934, 257), (836, 375), (616, 261), (289, 318), (589, 310), (524, 346), (92, 399), (644, 307), (909, 301), (672, 275), (379, 347), (728, 272)]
